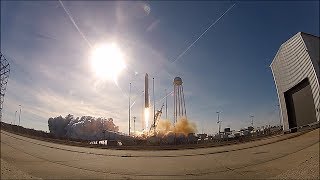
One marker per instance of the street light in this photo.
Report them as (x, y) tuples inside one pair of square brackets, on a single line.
[(219, 122)]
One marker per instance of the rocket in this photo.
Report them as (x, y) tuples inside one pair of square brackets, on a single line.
[(146, 91)]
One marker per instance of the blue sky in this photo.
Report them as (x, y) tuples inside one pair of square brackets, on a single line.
[(226, 70)]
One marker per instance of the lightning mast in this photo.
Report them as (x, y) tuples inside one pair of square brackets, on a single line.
[(4, 76)]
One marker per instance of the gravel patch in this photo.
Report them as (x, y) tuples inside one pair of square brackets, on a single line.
[(9, 171), (308, 169)]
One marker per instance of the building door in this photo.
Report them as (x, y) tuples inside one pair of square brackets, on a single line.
[(300, 105)]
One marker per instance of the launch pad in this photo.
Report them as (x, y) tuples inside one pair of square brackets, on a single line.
[(157, 128)]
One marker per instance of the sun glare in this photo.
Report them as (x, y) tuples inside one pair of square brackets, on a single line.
[(107, 61)]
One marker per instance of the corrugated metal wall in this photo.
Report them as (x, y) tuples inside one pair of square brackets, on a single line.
[(313, 47), (291, 65)]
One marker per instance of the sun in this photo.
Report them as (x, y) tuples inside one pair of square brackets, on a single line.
[(107, 61)]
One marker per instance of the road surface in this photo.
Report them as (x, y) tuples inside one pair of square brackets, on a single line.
[(275, 157)]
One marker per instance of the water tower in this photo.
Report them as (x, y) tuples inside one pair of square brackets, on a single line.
[(179, 104)]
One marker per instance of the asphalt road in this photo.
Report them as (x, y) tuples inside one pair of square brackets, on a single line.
[(268, 158)]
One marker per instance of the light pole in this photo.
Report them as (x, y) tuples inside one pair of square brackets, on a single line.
[(19, 114), (15, 117), (134, 125), (142, 117), (251, 116), (104, 133), (154, 104), (129, 106), (219, 122), (166, 104), (104, 136)]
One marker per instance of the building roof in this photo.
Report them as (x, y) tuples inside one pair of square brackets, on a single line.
[(299, 33)]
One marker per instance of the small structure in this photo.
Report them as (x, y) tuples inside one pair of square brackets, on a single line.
[(227, 130)]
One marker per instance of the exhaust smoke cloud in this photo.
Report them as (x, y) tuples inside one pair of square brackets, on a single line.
[(85, 128), (183, 126), (165, 128)]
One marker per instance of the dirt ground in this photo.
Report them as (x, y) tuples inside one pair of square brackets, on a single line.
[(9, 171)]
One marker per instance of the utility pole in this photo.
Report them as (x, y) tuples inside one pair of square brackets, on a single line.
[(166, 104), (15, 117), (142, 117), (104, 136), (134, 125), (104, 132), (19, 114), (219, 122), (129, 106), (154, 105)]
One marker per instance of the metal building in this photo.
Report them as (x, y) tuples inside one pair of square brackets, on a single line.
[(295, 70)]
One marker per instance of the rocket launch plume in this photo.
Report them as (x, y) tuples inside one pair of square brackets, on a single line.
[(146, 118), (166, 128), (183, 126)]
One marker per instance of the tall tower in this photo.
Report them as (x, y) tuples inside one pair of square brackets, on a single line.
[(146, 91), (4, 76), (179, 105)]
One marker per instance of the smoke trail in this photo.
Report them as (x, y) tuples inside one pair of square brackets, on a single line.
[(74, 23), (132, 104), (193, 43), (136, 100), (202, 34), (151, 106)]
